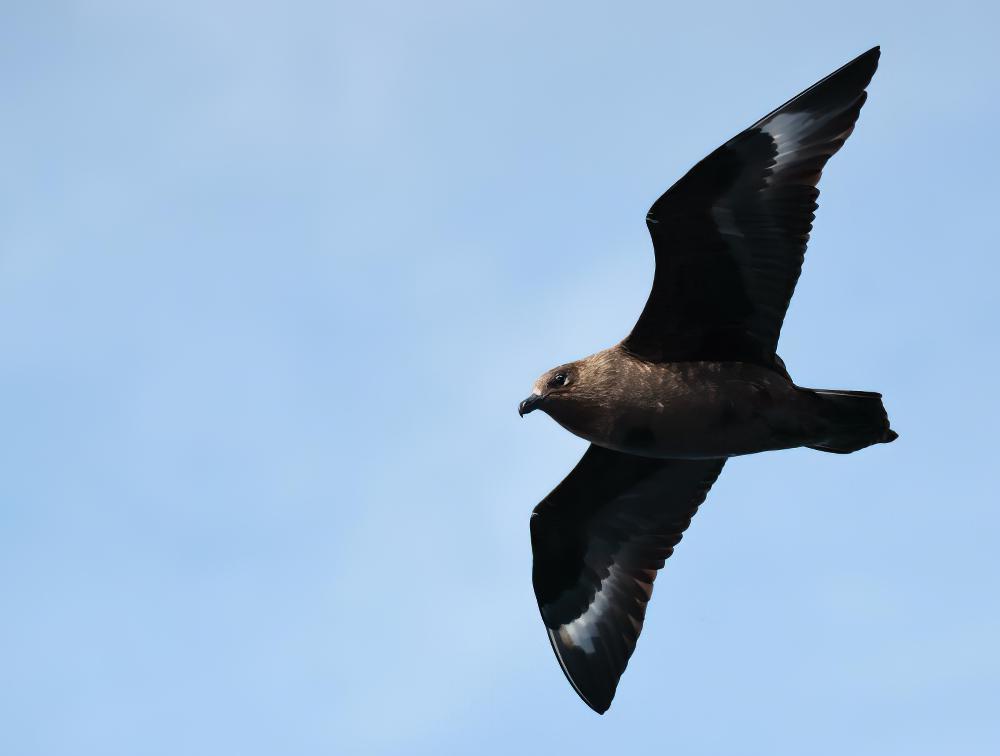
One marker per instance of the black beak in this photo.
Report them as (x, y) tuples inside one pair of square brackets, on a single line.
[(529, 404)]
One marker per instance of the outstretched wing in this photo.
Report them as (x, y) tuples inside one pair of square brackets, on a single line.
[(730, 236), (598, 540)]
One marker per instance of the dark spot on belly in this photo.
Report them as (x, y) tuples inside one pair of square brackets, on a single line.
[(729, 415), (639, 437)]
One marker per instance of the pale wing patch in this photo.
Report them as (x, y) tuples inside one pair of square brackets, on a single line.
[(583, 630), (786, 129)]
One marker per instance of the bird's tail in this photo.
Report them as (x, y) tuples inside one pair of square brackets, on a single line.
[(853, 420)]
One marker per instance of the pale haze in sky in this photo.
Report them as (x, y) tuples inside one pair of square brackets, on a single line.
[(273, 279)]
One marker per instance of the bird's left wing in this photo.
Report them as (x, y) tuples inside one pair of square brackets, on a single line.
[(730, 236), (598, 540)]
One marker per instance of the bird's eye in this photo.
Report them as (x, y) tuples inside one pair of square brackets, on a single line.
[(559, 379)]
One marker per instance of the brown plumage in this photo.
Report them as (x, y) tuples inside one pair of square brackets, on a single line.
[(697, 380)]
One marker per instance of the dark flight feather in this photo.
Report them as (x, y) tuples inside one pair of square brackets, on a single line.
[(598, 540), (730, 236)]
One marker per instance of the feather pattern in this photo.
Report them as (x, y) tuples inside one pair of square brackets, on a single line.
[(598, 540), (730, 236)]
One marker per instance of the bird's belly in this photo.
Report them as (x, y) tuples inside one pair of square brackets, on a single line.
[(706, 431), (706, 419)]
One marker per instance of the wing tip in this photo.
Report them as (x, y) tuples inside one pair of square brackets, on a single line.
[(870, 58), (866, 64), (849, 83), (598, 706)]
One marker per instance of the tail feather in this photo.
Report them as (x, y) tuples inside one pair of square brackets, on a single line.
[(853, 420)]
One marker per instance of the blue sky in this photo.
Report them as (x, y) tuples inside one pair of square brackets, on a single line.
[(273, 278)]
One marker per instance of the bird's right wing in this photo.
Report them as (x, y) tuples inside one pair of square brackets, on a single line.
[(598, 540)]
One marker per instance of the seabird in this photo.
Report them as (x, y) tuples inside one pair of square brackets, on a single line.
[(698, 380)]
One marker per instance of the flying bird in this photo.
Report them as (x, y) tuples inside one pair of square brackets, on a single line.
[(698, 380)]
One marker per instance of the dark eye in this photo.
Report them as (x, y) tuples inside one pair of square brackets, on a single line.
[(559, 379)]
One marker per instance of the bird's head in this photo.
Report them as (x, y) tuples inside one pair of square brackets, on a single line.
[(558, 385)]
